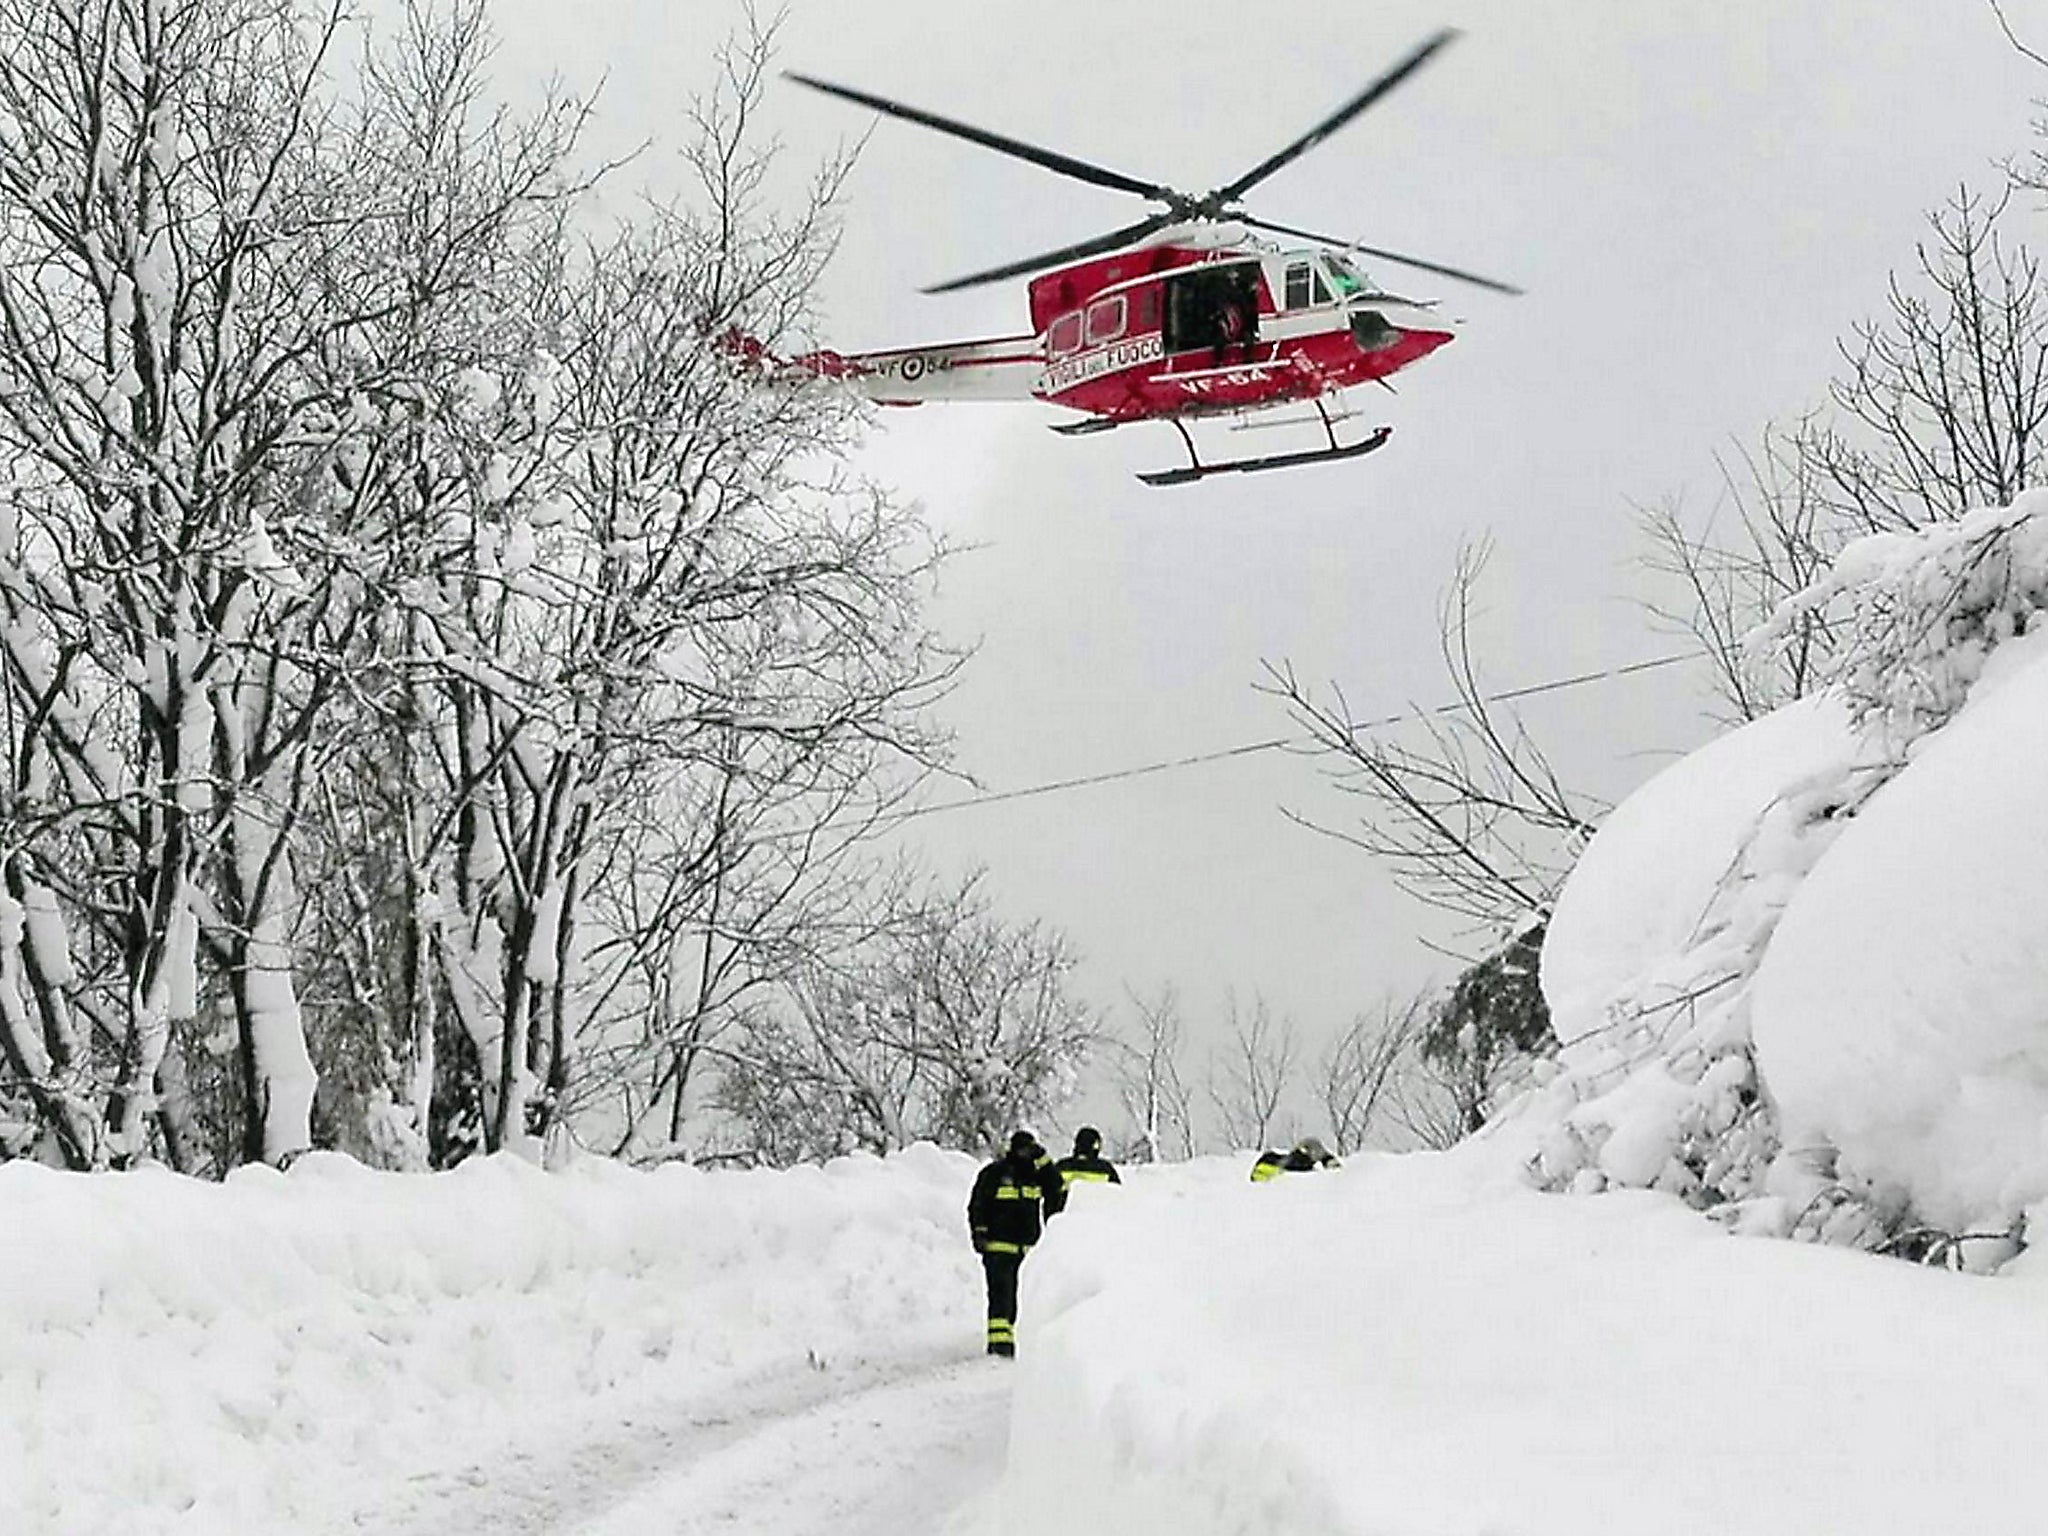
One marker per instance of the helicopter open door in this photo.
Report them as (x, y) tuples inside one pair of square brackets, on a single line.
[(1212, 310)]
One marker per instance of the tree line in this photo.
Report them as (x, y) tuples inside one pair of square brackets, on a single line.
[(448, 690)]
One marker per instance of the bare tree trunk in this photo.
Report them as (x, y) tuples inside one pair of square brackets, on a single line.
[(1359, 1070), (1250, 1080)]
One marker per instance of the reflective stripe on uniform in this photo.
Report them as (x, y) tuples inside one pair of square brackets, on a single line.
[(1002, 1247), (1264, 1171), (1083, 1176), (1001, 1330), (1017, 1191)]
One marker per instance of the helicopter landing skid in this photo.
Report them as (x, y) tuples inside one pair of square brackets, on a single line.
[(1195, 469)]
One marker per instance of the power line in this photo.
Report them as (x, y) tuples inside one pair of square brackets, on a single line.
[(1142, 770)]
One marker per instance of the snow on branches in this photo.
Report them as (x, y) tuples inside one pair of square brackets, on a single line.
[(412, 628), (1919, 614)]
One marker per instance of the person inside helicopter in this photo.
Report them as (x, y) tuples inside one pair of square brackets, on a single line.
[(1214, 307)]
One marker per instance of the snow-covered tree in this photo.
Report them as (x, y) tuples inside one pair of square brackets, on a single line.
[(1939, 407), (183, 211), (1477, 1044), (660, 593), (947, 1022), (1151, 1082), (386, 547)]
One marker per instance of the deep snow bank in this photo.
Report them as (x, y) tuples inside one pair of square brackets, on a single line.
[(1901, 1013), (286, 1351), (1423, 1346), (1649, 889), (1649, 957), (1801, 974)]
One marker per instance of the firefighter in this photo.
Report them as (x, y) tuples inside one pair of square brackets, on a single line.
[(1306, 1156), (1005, 1214), (1086, 1165)]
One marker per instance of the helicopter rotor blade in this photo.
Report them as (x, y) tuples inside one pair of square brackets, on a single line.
[(1336, 119), (1379, 255), (1114, 240), (1051, 160)]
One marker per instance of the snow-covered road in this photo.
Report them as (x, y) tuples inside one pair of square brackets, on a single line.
[(899, 1447), (336, 1351)]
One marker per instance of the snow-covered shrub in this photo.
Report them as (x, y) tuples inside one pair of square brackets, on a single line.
[(1922, 612)]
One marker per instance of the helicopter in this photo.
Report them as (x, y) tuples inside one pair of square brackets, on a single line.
[(1182, 315)]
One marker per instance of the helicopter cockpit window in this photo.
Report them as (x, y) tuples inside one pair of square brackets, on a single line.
[(1349, 279), (1105, 320), (1065, 335), (1305, 286)]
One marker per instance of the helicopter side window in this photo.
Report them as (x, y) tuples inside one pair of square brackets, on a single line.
[(1065, 335), (1148, 309), (1344, 275), (1305, 286), (1106, 320)]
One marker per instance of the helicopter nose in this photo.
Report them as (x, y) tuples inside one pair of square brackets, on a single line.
[(1408, 329)]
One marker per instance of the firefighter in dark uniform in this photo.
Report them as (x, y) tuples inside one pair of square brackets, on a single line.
[(1005, 1214), (1086, 1165), (1307, 1156)]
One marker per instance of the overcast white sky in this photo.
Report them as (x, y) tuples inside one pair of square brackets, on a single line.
[(1700, 197)]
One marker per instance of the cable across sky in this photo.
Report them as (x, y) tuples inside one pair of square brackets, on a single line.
[(1275, 743)]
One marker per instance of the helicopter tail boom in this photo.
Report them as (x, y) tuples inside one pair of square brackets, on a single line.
[(999, 368)]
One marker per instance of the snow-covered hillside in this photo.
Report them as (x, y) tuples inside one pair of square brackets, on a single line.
[(1802, 982)]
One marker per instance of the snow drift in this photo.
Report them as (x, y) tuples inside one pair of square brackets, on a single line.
[(295, 1352), (1901, 1013), (1423, 1346)]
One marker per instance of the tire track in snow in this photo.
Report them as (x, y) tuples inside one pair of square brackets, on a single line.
[(902, 1456), (889, 1447)]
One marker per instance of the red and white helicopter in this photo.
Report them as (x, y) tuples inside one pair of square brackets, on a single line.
[(1183, 314)]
